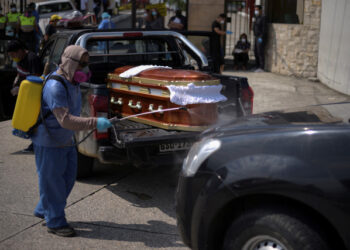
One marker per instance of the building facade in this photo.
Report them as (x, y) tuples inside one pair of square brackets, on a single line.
[(292, 48)]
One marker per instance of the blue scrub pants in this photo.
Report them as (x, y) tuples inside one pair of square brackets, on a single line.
[(57, 169)]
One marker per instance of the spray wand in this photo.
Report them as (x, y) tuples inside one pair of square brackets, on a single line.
[(114, 120)]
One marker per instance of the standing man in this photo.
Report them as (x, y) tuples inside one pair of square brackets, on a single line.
[(27, 29), (12, 20), (51, 27), (38, 34), (260, 34), (55, 152), (106, 23), (217, 28)]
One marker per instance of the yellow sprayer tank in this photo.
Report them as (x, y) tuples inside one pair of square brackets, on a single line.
[(28, 103)]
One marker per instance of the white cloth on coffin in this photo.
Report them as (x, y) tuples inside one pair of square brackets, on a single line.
[(192, 94), (138, 69)]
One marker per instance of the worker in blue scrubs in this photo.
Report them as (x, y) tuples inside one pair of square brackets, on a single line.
[(55, 152)]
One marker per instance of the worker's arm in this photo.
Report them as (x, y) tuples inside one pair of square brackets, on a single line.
[(71, 122), (173, 25), (218, 31)]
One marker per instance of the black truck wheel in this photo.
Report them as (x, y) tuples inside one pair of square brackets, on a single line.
[(272, 229), (85, 166)]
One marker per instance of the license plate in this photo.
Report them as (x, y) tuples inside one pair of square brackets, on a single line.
[(168, 147)]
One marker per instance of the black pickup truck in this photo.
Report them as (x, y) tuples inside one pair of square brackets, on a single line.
[(131, 142)]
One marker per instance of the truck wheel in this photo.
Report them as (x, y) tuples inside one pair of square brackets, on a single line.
[(265, 229), (85, 166)]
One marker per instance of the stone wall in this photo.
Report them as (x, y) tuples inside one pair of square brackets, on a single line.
[(292, 49)]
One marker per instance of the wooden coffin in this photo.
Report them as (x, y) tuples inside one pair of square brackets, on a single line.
[(147, 91)]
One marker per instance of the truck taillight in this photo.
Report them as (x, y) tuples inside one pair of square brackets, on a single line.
[(99, 108), (247, 99)]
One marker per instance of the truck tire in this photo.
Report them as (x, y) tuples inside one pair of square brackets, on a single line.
[(85, 166), (272, 229)]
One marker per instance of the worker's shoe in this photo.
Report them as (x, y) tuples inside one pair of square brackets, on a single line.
[(65, 231)]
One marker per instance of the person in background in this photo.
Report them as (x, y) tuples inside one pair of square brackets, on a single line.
[(27, 29), (155, 21), (177, 22), (38, 34), (240, 52), (12, 20), (97, 8), (83, 6), (260, 34), (106, 22), (217, 28), (51, 27), (55, 152), (28, 63)]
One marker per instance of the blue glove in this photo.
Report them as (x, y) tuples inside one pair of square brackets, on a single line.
[(260, 40), (229, 32), (103, 124)]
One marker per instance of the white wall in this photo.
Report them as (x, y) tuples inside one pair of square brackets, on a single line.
[(334, 47)]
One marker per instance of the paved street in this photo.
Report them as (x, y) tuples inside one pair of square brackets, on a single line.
[(120, 208)]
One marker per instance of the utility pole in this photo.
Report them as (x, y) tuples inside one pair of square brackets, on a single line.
[(133, 14)]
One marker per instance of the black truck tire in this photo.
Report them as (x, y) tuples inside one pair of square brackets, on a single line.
[(85, 166), (272, 229)]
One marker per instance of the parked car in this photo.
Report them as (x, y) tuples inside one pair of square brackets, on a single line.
[(63, 8), (277, 180)]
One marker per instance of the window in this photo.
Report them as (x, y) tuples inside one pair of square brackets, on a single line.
[(129, 51), (286, 11), (55, 7)]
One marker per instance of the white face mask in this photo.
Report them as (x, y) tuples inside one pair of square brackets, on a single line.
[(222, 21), (256, 12), (13, 9), (243, 40)]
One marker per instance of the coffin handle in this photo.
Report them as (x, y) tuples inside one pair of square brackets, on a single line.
[(119, 102), (151, 108), (137, 106)]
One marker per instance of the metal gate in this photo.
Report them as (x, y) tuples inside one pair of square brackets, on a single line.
[(239, 20)]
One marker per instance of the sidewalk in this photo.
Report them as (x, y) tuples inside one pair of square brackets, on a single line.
[(273, 91)]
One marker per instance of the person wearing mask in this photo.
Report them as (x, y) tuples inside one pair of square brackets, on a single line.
[(51, 27), (27, 63), (155, 21), (12, 20), (260, 34), (55, 152), (177, 22), (217, 28), (27, 29), (240, 53), (106, 22)]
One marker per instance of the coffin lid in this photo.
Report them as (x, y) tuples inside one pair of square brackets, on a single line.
[(169, 74)]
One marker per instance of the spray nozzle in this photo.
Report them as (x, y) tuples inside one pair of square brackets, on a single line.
[(183, 108)]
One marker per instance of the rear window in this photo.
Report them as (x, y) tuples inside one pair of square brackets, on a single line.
[(55, 7), (130, 51)]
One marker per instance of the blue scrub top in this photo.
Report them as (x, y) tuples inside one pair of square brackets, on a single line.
[(55, 96), (106, 24)]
